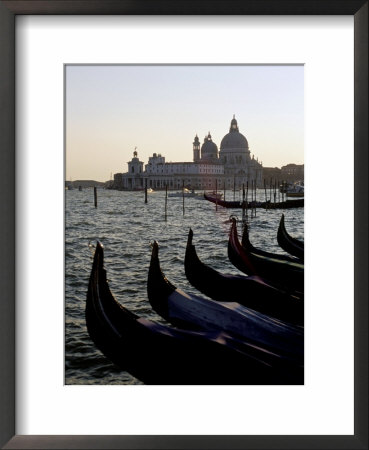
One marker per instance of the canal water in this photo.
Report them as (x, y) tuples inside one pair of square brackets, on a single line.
[(126, 226)]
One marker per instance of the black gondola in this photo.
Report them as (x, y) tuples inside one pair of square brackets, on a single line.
[(297, 203), (224, 203), (157, 354), (283, 274), (245, 242), (288, 243), (250, 291), (192, 311)]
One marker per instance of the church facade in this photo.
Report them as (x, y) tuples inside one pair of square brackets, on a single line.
[(229, 167)]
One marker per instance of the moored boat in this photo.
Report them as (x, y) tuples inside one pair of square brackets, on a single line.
[(185, 193), (250, 291), (292, 189), (296, 203), (296, 190), (224, 203), (245, 241), (192, 311), (288, 243), (158, 354), (283, 274)]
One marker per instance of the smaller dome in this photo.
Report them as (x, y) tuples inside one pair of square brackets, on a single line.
[(209, 148)]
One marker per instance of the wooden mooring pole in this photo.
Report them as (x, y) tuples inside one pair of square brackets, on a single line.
[(146, 190), (252, 198), (247, 191), (166, 201), (255, 199), (216, 195), (95, 196), (183, 197), (270, 190)]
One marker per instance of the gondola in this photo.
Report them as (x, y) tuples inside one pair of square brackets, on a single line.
[(192, 311), (250, 291), (288, 243), (297, 203), (245, 242), (232, 204), (158, 354), (282, 274), (220, 202)]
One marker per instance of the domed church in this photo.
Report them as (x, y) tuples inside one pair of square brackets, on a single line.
[(234, 155), (230, 167), (234, 148)]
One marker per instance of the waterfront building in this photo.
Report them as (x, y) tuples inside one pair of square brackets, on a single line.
[(230, 166), (293, 172)]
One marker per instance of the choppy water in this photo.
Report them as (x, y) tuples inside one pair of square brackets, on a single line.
[(126, 225)]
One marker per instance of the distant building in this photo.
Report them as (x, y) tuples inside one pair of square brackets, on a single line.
[(271, 173), (83, 184), (292, 172), (231, 166)]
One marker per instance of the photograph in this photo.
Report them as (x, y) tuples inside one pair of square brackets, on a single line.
[(184, 224), (155, 224)]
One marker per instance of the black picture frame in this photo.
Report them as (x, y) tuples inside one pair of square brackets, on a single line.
[(8, 11)]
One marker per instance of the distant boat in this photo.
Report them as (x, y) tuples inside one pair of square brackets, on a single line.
[(295, 203), (213, 194), (296, 190), (185, 193), (293, 190), (150, 190)]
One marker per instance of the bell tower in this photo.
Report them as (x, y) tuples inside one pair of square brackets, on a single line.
[(135, 166), (196, 149)]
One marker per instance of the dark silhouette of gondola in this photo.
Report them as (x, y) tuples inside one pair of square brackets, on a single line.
[(250, 291), (245, 241), (283, 274), (158, 354), (191, 311), (297, 203), (288, 243)]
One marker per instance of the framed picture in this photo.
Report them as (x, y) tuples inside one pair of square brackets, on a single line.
[(205, 427)]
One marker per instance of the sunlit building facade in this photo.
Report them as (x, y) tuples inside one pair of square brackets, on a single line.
[(229, 167)]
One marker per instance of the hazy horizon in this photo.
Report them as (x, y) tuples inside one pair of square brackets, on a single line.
[(111, 109)]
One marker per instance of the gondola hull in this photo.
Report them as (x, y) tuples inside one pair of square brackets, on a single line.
[(156, 354), (183, 309), (283, 274), (246, 244), (250, 291), (288, 243), (298, 203)]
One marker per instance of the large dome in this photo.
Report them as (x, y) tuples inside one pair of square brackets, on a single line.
[(209, 150), (234, 140)]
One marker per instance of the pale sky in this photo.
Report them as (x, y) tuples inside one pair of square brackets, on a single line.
[(110, 110)]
